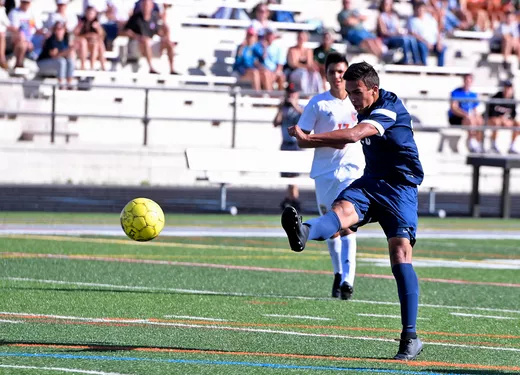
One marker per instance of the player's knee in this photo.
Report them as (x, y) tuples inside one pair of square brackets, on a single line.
[(400, 250), (346, 212)]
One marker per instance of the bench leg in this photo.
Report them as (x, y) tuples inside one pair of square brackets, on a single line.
[(505, 201), (223, 197), (431, 203), (475, 196)]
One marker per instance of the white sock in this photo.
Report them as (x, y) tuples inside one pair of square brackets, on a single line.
[(335, 245), (348, 258), (474, 144)]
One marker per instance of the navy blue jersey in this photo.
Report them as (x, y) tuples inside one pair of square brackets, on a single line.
[(391, 154)]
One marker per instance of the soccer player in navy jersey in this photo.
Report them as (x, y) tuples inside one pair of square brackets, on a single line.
[(386, 193)]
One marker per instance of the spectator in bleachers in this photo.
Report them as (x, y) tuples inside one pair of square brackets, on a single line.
[(463, 111), (272, 60), (61, 14), (5, 25), (508, 37), (393, 35), (142, 26), (229, 13), (353, 31), (449, 15), (503, 114), (289, 112), (57, 57), (29, 37), (301, 68), (320, 54), (479, 13), (261, 22), (247, 60), (90, 38), (280, 15), (425, 29)]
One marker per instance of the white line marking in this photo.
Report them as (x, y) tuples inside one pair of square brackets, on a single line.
[(195, 318), (297, 317), (78, 371), (484, 316), (388, 316), (195, 291), (257, 330), (9, 321)]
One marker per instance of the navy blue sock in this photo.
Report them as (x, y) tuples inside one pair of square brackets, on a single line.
[(323, 227), (408, 290)]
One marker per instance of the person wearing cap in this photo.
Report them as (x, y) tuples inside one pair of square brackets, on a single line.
[(29, 36), (57, 57), (61, 15), (247, 60), (503, 114), (272, 60), (289, 112)]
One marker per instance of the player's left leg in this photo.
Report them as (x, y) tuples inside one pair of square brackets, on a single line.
[(397, 214)]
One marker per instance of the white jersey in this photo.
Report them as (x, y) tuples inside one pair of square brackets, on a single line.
[(325, 113)]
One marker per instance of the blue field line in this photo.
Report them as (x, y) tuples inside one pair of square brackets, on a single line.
[(227, 363)]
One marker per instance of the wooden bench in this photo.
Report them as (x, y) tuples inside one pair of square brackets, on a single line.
[(249, 167), (451, 136)]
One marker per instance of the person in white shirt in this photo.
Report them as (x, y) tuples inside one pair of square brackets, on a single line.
[(61, 15), (29, 37), (334, 169), (509, 36), (5, 25), (426, 30)]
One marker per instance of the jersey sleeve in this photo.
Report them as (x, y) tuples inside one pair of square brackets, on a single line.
[(309, 117), (381, 118)]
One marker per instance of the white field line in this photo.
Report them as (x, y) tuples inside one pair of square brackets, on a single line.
[(484, 316), (236, 294), (61, 369), (195, 318), (256, 330), (388, 316), (297, 317), (10, 321)]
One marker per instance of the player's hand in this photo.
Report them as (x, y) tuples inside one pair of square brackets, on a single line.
[(297, 133)]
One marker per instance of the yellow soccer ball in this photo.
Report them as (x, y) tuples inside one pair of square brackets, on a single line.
[(142, 219)]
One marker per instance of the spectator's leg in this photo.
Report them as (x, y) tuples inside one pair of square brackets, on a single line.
[(494, 121), (440, 52), (70, 60), (253, 75), (473, 141), (514, 149), (20, 49), (280, 80), (266, 79), (82, 48), (145, 44), (93, 49), (51, 67), (414, 46), (299, 78), (507, 45), (423, 52), (3, 61), (101, 53), (372, 46), (167, 45)]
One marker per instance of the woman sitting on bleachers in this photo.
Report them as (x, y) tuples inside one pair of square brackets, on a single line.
[(301, 68), (57, 57), (393, 36), (247, 60), (91, 37)]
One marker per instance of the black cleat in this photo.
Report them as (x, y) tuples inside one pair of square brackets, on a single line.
[(336, 285), (297, 233), (346, 291), (409, 349)]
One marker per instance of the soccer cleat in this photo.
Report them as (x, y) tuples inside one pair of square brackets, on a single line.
[(346, 291), (297, 233), (336, 285), (409, 349)]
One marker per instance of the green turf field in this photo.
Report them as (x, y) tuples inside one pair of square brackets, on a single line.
[(237, 305)]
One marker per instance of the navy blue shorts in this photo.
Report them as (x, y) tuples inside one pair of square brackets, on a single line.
[(393, 205)]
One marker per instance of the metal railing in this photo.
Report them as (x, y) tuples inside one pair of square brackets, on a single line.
[(237, 96)]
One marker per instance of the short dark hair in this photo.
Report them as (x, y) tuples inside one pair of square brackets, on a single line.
[(335, 58), (363, 72)]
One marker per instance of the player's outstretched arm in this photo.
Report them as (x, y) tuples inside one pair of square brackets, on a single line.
[(334, 138)]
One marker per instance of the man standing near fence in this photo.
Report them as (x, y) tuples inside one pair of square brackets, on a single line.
[(334, 168)]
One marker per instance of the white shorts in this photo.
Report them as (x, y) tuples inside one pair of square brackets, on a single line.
[(329, 185)]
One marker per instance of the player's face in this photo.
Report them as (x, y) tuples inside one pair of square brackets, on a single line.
[(361, 96), (335, 74)]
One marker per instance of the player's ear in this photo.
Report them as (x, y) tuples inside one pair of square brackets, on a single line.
[(375, 90)]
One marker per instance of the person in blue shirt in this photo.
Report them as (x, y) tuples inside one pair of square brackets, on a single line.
[(386, 193), (463, 111), (247, 60)]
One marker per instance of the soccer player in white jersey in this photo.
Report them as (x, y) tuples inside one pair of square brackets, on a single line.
[(334, 169)]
